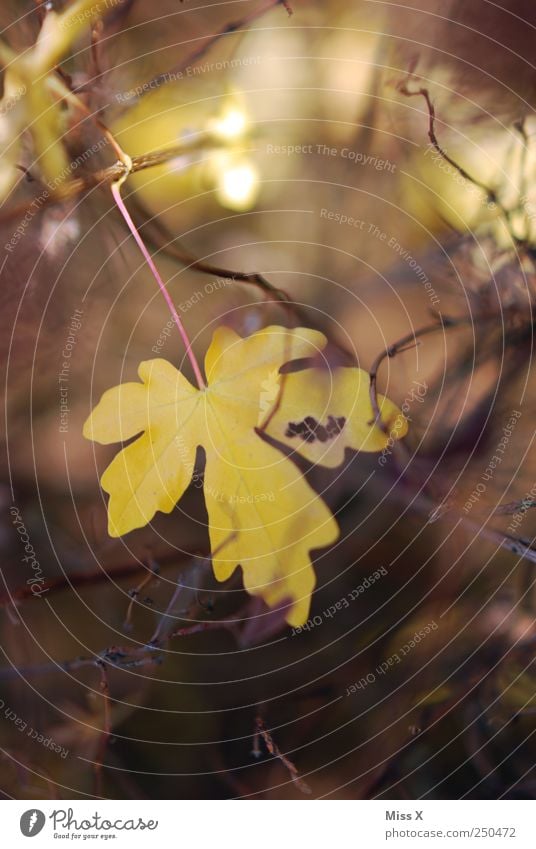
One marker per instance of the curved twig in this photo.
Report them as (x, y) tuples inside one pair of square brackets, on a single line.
[(404, 344), (491, 194)]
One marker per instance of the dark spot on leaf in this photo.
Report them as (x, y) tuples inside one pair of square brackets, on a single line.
[(321, 433), (310, 430), (293, 429)]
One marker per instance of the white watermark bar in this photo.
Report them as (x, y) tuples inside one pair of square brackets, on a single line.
[(238, 824)]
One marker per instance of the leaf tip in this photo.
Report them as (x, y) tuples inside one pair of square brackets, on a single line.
[(87, 429)]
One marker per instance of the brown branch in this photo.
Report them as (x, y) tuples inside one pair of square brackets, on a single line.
[(520, 546), (106, 728), (41, 9), (81, 579), (491, 194), (113, 173), (96, 43), (404, 344), (8, 673), (407, 342), (515, 545), (261, 732), (152, 571), (229, 29), (514, 506), (106, 176), (175, 249), (125, 657)]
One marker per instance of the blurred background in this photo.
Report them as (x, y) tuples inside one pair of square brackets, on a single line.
[(321, 175)]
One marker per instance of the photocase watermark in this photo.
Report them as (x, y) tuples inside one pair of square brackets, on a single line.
[(185, 306), (356, 156), (441, 163), (188, 72), (529, 207), (393, 660), (495, 461), (22, 726), (66, 826), (32, 822), (9, 102), (37, 581), (51, 187), (65, 373), (64, 820), (527, 503), (342, 604), (417, 394)]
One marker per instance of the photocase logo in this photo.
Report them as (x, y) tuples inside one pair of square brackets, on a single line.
[(31, 822)]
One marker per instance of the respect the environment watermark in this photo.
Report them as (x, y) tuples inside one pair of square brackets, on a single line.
[(370, 228), (51, 187), (188, 72)]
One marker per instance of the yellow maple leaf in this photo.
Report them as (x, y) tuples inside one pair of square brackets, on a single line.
[(263, 515)]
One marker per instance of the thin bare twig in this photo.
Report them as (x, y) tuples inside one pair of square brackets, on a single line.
[(514, 506), (107, 176), (491, 194), (96, 43), (172, 246), (193, 58), (164, 630), (403, 344), (70, 581), (261, 732), (106, 727), (520, 546), (115, 172), (152, 572), (41, 9)]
